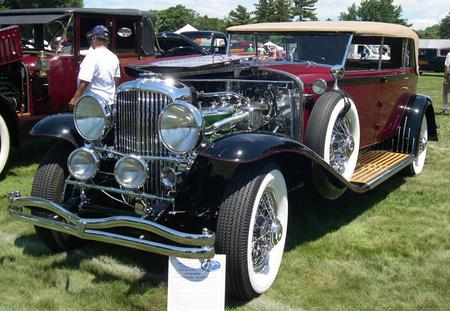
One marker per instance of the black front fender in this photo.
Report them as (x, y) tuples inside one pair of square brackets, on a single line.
[(251, 147), (59, 126)]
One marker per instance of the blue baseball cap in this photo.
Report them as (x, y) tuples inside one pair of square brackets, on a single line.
[(99, 30)]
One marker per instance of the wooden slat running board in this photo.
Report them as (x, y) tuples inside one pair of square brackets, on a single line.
[(374, 163)]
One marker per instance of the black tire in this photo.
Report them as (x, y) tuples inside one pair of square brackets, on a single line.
[(49, 184), (5, 145), (318, 136), (234, 223)]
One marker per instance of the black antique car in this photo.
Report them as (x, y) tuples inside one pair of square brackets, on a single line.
[(212, 41), (170, 44), (432, 54), (197, 154)]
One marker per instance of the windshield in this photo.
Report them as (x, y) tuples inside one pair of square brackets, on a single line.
[(201, 40), (49, 37), (321, 48)]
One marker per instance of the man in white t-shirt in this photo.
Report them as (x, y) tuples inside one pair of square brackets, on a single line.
[(446, 88), (99, 71)]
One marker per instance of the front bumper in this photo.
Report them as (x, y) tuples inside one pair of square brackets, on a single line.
[(197, 246)]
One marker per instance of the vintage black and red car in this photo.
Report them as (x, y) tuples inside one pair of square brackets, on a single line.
[(48, 47), (196, 156)]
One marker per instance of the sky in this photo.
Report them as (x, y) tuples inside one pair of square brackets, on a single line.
[(421, 13)]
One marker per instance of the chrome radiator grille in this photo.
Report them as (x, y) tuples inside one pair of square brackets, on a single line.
[(136, 122), (137, 129)]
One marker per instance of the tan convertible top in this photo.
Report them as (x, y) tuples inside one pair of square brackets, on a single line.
[(369, 29), (358, 28)]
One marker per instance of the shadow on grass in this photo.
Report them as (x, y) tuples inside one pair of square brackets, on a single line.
[(433, 74), (154, 266), (310, 218)]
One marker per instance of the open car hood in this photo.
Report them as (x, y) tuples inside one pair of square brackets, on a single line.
[(183, 65)]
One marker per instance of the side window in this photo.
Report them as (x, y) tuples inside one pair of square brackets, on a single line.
[(409, 57), (364, 53), (86, 24), (392, 53), (126, 35), (444, 52)]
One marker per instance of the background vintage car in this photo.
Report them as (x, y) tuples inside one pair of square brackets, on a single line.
[(432, 54), (198, 154), (42, 80)]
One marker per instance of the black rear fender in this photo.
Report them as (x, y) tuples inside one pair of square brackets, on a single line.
[(59, 126)]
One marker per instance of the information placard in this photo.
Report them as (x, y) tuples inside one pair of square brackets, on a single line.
[(196, 284)]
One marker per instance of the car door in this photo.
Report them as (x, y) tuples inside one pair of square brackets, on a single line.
[(362, 83), (398, 84)]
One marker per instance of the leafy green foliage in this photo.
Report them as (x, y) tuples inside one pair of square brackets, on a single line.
[(273, 11), (25, 4), (210, 23), (431, 32), (375, 11), (175, 17), (239, 16), (304, 10), (444, 27)]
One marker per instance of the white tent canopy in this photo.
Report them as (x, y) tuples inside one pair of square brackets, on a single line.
[(186, 28), (269, 44)]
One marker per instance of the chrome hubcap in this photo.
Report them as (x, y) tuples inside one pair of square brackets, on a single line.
[(422, 143), (342, 144), (267, 232)]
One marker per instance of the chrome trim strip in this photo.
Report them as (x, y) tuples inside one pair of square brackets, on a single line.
[(90, 229), (146, 158), (119, 191), (391, 171)]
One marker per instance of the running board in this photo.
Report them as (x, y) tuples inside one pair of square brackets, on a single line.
[(374, 167)]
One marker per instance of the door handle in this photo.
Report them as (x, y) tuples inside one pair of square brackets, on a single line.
[(384, 79)]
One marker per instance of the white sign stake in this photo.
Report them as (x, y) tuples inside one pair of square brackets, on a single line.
[(196, 284)]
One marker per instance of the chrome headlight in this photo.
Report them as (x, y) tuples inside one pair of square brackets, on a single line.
[(92, 116), (83, 164), (131, 172), (319, 86), (180, 127)]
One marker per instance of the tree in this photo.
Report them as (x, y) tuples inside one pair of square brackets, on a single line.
[(431, 32), (264, 11), (273, 11), (239, 16), (376, 11), (444, 27), (304, 10), (208, 23), (282, 12), (175, 17), (25, 4)]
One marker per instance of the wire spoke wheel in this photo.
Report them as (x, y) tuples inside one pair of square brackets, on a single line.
[(252, 227), (266, 233), (342, 144)]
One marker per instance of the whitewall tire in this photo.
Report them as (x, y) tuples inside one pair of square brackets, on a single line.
[(252, 228), (419, 162), (333, 132), (5, 143)]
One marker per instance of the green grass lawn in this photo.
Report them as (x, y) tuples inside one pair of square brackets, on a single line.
[(388, 249)]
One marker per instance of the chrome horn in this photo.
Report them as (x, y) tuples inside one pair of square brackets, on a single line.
[(337, 72)]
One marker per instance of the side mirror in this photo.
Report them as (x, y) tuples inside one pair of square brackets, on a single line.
[(337, 72)]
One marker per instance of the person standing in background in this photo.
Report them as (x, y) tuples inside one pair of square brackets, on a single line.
[(446, 86), (99, 70)]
